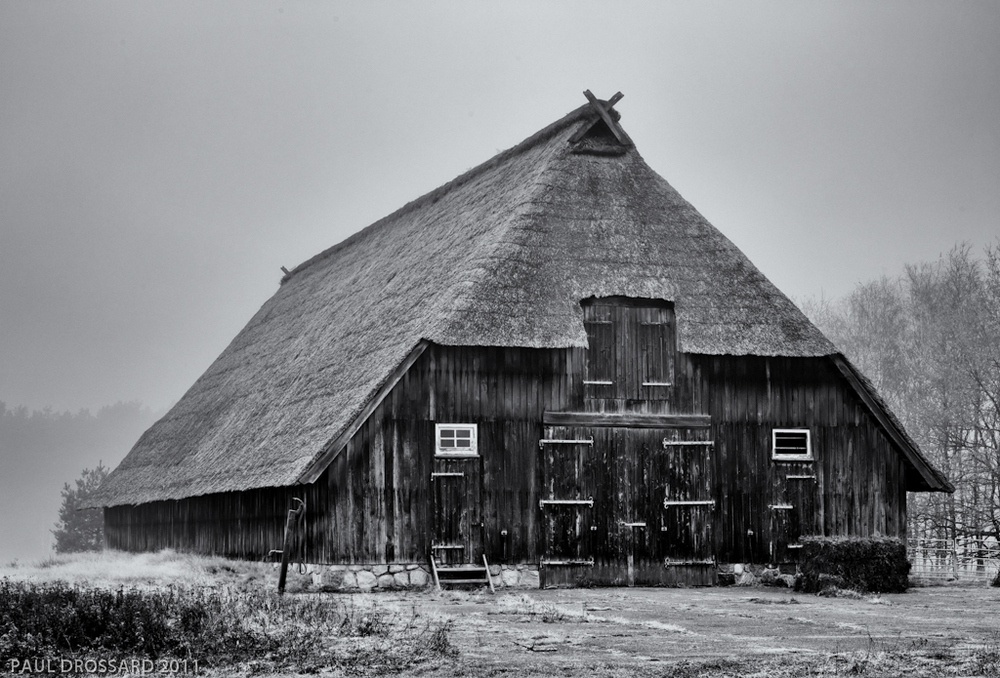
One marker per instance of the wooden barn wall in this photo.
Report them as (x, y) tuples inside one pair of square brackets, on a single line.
[(373, 503), (504, 391), (243, 525), (860, 488)]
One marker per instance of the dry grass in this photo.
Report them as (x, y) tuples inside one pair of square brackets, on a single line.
[(114, 569), (225, 614), (656, 633)]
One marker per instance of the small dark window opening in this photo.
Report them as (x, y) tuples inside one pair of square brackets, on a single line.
[(791, 444)]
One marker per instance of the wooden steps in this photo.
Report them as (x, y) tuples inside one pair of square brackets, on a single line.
[(465, 574)]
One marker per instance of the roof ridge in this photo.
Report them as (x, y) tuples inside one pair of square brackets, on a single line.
[(581, 113)]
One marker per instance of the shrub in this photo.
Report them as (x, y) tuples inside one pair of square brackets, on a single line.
[(872, 564)]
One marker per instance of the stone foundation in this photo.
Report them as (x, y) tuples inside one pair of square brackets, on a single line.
[(397, 576), (752, 574)]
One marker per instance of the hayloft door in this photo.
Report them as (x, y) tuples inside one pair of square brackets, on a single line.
[(456, 496)]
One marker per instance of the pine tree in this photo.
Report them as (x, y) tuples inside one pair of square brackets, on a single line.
[(80, 529)]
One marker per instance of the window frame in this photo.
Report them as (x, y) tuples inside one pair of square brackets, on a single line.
[(775, 456), (452, 452)]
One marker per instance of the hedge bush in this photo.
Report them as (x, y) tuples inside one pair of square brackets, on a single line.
[(867, 565)]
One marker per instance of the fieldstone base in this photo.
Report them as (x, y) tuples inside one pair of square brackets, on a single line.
[(515, 576), (752, 574), (365, 578), (403, 576)]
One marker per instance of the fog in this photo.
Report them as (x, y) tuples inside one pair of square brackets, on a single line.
[(160, 161)]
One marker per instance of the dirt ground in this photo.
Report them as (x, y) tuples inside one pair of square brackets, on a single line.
[(716, 631)]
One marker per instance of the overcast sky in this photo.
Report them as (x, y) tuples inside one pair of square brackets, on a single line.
[(160, 161)]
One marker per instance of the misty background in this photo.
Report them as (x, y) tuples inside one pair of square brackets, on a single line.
[(159, 163)]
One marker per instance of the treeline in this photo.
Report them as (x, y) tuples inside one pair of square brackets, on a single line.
[(930, 341), (42, 450)]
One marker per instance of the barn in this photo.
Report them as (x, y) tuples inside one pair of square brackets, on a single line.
[(552, 364)]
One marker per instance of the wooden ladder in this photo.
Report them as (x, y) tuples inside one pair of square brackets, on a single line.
[(466, 574)]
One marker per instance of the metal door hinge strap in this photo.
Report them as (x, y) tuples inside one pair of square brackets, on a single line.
[(447, 474), (673, 443), (584, 563), (780, 507), (657, 383), (709, 502), (633, 524), (810, 477), (597, 382), (565, 441), (542, 503), (447, 546)]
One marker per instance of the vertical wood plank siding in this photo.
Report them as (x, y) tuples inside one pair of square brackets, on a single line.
[(860, 477), (373, 504)]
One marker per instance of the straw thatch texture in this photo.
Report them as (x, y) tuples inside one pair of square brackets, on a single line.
[(501, 256)]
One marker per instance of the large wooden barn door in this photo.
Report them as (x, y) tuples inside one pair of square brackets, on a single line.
[(683, 470), (569, 482), (793, 509), (456, 510), (626, 507)]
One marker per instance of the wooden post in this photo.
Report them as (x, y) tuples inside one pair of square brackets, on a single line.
[(488, 577), (290, 522)]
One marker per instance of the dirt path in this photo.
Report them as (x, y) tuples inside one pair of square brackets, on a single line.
[(581, 631)]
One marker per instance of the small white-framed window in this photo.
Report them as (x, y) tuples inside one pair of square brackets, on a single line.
[(791, 444), (456, 440)]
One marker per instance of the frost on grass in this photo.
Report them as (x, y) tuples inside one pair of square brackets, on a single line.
[(112, 569)]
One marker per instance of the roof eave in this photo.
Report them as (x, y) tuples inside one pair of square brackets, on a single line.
[(933, 479), (333, 448)]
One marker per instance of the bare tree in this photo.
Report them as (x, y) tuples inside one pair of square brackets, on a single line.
[(930, 342)]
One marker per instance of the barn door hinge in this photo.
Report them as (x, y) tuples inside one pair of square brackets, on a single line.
[(542, 503), (565, 441), (667, 503), (780, 507)]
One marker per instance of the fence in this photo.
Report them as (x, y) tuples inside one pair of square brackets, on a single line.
[(971, 560)]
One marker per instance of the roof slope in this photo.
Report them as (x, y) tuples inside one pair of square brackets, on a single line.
[(502, 255)]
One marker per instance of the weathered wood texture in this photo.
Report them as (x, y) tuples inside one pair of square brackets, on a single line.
[(860, 485), (376, 502)]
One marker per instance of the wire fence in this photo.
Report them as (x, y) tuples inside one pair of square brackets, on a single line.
[(971, 560)]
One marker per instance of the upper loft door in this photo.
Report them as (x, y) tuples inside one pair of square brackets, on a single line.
[(632, 348)]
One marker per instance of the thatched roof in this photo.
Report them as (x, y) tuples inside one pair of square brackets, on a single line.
[(500, 256)]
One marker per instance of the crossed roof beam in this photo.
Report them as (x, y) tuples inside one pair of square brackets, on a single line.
[(603, 110)]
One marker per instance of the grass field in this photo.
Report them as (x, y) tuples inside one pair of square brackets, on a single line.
[(934, 631)]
